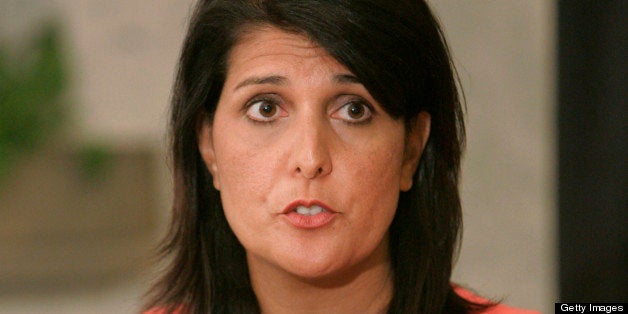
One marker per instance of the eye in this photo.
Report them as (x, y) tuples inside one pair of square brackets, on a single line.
[(263, 110), (356, 111)]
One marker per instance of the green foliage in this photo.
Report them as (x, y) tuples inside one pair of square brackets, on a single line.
[(95, 161), (31, 107)]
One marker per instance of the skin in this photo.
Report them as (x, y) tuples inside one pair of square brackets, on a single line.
[(322, 137)]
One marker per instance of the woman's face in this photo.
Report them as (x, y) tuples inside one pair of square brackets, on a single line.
[(309, 166)]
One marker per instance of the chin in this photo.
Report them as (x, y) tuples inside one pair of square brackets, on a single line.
[(313, 273), (312, 267)]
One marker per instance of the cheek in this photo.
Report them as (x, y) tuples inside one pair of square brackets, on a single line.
[(241, 164), (378, 168), (244, 194), (378, 174), (241, 173), (245, 179)]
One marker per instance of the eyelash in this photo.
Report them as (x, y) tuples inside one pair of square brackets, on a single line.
[(269, 99), (365, 105), (264, 99)]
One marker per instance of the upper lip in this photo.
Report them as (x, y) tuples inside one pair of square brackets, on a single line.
[(307, 203)]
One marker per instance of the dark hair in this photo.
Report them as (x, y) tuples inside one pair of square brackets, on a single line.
[(397, 50)]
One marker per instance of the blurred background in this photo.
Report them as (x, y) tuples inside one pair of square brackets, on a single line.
[(84, 179)]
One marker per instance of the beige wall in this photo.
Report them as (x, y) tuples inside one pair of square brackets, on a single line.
[(124, 53), (505, 53)]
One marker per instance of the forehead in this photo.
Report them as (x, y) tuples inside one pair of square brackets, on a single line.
[(267, 48), (268, 38)]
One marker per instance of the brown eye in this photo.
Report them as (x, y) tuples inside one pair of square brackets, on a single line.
[(267, 110), (264, 110), (355, 111)]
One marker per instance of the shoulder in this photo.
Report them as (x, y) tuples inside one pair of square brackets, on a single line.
[(497, 309), (155, 311), (163, 310)]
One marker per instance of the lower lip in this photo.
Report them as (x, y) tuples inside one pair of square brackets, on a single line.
[(310, 222)]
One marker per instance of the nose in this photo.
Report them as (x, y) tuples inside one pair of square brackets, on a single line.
[(310, 155)]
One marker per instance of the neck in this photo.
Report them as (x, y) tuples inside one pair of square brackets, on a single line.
[(364, 288)]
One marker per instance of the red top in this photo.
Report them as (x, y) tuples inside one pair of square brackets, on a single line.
[(497, 309)]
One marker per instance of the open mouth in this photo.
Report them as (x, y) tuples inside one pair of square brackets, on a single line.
[(309, 211), (308, 214)]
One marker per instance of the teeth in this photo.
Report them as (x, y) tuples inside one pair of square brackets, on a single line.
[(315, 209)]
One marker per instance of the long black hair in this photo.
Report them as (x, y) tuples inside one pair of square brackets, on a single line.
[(397, 50)]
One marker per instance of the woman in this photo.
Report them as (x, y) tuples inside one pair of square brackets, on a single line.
[(316, 149)]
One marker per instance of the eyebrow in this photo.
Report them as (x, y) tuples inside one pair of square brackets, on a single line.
[(281, 80), (347, 78), (256, 80)]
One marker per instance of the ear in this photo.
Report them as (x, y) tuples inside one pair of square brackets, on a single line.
[(415, 143), (206, 148)]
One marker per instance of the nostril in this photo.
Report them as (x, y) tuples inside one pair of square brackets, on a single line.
[(310, 174)]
